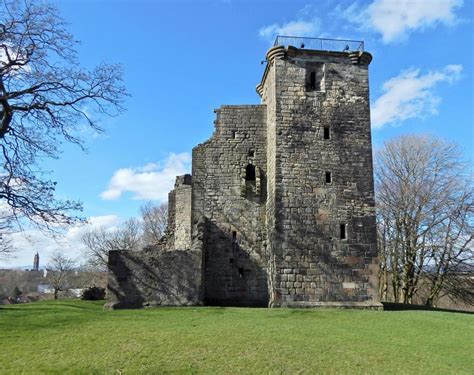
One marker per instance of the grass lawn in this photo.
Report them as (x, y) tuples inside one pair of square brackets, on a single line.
[(80, 337)]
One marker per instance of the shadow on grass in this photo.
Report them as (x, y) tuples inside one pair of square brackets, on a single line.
[(392, 306)]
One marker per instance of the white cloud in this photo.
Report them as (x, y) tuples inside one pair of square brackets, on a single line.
[(152, 181), (305, 24), (8, 50), (292, 28), (411, 95), (394, 20), (28, 242)]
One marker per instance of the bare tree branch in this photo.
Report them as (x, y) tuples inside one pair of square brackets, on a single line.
[(155, 219), (100, 241), (425, 214), (45, 98)]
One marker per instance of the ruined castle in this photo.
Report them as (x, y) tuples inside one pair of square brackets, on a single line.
[(279, 210)]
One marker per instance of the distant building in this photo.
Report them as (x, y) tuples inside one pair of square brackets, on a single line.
[(36, 261), (44, 288)]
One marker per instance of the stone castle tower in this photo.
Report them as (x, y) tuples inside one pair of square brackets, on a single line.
[(280, 207), (36, 261)]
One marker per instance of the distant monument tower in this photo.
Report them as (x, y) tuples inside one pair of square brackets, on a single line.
[(36, 262)]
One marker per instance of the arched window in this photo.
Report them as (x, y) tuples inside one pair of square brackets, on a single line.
[(250, 173)]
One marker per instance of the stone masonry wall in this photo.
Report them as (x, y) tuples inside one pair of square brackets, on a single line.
[(182, 224), (313, 264), (151, 278), (178, 229), (233, 206), (269, 93)]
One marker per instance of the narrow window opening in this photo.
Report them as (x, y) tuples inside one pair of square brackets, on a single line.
[(328, 178), (312, 81), (250, 173), (315, 76), (343, 231), (327, 134), (234, 133), (251, 153), (231, 261), (241, 272), (234, 236)]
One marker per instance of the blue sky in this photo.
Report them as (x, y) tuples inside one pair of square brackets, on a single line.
[(182, 59)]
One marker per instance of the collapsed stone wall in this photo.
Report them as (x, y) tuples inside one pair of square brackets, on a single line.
[(321, 215), (179, 206), (178, 229), (154, 278), (229, 194)]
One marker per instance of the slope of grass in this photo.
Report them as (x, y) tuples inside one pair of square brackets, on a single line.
[(80, 337)]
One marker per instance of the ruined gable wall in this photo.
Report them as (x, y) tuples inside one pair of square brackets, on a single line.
[(178, 229), (182, 215), (233, 210), (312, 264)]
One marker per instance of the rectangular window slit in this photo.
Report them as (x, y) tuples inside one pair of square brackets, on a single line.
[(343, 231), (234, 133), (234, 235), (326, 132), (312, 80), (328, 178)]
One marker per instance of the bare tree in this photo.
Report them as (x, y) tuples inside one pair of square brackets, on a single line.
[(155, 219), (58, 272), (100, 241), (45, 98), (452, 252), (424, 202), (6, 247)]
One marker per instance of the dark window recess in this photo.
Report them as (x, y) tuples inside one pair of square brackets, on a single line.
[(314, 76), (312, 81), (251, 153), (234, 235), (343, 231), (234, 133), (327, 133), (231, 261), (241, 272), (328, 178), (250, 173)]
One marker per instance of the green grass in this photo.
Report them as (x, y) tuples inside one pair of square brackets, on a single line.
[(80, 337)]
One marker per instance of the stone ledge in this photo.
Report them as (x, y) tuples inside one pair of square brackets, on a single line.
[(335, 305)]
